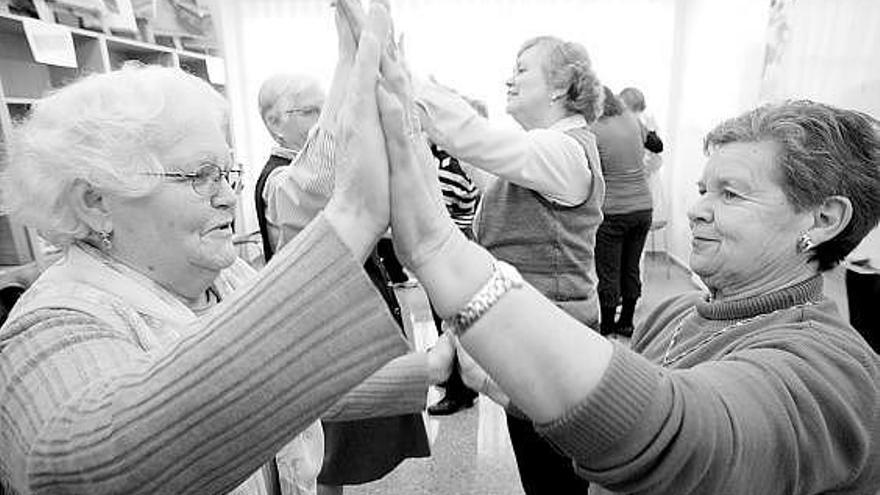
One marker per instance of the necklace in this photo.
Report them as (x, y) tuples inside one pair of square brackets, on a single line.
[(669, 360)]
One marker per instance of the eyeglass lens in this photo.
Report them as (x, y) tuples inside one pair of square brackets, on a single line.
[(207, 179)]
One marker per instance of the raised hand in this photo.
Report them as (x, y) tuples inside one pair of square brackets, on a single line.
[(359, 208), (419, 220)]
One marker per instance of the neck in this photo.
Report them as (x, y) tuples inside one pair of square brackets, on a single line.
[(543, 120), (187, 285), (771, 282)]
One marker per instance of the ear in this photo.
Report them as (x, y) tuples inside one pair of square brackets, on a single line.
[(273, 124), (90, 206), (830, 218)]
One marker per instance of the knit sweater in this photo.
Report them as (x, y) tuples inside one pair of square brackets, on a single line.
[(787, 401), (83, 409)]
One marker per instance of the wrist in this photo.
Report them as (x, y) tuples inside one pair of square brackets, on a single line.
[(352, 227), (454, 273)]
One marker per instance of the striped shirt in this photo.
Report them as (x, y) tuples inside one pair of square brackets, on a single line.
[(460, 194)]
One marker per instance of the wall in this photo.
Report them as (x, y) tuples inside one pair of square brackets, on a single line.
[(469, 45)]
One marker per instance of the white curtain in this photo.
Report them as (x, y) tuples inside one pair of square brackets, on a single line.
[(829, 51), (697, 61), (468, 44)]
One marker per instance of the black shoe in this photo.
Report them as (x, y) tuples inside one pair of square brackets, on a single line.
[(449, 406), (625, 330)]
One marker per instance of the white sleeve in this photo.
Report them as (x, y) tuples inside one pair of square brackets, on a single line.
[(544, 160), (297, 193)]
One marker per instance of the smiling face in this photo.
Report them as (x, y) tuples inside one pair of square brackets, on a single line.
[(175, 236), (528, 95), (744, 229)]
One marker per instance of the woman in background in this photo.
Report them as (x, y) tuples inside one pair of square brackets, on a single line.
[(542, 212), (758, 386), (627, 215)]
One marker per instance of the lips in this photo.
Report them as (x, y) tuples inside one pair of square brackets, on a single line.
[(225, 226)]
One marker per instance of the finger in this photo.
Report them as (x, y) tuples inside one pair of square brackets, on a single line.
[(344, 32), (354, 15), (397, 131), (366, 66), (399, 84)]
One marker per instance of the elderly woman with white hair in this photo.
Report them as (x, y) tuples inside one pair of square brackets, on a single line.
[(150, 359)]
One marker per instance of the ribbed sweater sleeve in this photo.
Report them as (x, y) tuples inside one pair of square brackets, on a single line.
[(84, 410), (612, 410), (790, 405), (399, 387)]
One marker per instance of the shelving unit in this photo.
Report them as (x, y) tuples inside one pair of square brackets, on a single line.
[(23, 81)]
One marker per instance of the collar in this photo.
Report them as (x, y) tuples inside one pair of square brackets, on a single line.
[(810, 290), (288, 153), (571, 122)]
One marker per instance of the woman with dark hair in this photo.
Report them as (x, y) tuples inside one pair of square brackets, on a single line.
[(627, 215), (542, 211), (757, 386)]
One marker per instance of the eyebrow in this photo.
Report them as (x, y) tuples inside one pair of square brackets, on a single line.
[(224, 161)]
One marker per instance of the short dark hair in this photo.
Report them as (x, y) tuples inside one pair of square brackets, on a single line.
[(612, 106), (823, 151)]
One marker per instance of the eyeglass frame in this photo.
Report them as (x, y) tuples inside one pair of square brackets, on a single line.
[(213, 184), (304, 111)]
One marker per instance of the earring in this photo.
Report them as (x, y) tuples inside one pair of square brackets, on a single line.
[(805, 243), (106, 243)]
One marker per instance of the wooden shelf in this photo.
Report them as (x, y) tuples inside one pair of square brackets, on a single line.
[(23, 81)]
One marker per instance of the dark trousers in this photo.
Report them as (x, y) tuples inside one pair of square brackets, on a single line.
[(619, 243), (542, 469), (390, 263), (863, 294)]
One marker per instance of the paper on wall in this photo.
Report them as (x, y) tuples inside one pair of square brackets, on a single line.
[(50, 43)]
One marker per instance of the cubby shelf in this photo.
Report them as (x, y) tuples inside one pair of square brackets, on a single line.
[(23, 81)]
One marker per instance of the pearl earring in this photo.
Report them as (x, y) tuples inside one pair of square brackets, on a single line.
[(805, 243), (106, 243)]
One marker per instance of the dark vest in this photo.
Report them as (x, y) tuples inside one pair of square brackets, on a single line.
[(272, 163), (550, 244)]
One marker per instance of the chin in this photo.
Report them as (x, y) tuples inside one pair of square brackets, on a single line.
[(216, 259)]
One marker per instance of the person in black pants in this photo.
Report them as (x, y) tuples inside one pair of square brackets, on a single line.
[(461, 197), (627, 210), (295, 113), (863, 288)]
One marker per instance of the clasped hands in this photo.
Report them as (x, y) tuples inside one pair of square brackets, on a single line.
[(384, 171), (386, 175)]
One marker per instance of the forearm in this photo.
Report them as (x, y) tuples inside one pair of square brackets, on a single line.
[(265, 366), (399, 387), (542, 160), (542, 358)]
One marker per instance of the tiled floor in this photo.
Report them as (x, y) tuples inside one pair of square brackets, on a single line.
[(471, 451)]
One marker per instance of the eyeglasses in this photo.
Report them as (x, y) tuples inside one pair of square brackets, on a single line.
[(304, 111), (205, 181)]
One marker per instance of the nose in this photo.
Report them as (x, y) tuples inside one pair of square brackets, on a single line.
[(225, 197), (700, 210), (509, 82)]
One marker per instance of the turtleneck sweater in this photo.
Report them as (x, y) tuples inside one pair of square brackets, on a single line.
[(768, 394)]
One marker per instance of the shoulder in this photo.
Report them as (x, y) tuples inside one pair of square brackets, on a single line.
[(44, 332), (818, 333)]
